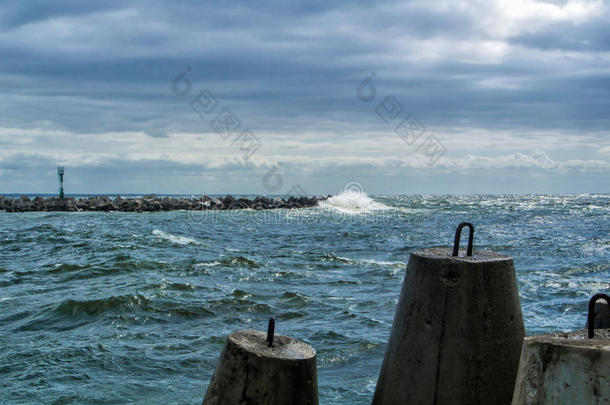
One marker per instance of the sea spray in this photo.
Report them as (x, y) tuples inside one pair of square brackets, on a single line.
[(179, 240), (350, 202)]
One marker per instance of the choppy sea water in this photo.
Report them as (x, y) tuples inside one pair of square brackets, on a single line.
[(113, 308)]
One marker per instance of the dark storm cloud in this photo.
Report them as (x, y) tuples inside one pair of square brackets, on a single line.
[(566, 36), (292, 68), (15, 13), (281, 60)]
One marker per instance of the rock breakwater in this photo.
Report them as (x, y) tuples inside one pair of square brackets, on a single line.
[(151, 203)]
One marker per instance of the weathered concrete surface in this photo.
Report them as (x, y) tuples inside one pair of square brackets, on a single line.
[(250, 372), (457, 332), (564, 368)]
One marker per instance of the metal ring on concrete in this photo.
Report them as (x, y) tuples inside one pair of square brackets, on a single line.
[(591, 314), (458, 234)]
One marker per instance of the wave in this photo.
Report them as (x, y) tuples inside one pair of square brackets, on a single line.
[(351, 202), (329, 257), (383, 263), (207, 264), (128, 307), (98, 306), (177, 286), (240, 261), (232, 261), (11, 280), (241, 305), (67, 268), (295, 299), (177, 239), (117, 264)]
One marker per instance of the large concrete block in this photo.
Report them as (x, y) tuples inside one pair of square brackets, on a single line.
[(457, 332), (252, 372), (564, 368)]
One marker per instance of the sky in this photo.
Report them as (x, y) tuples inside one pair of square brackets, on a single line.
[(275, 97)]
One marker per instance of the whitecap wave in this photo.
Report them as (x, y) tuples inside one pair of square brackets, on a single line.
[(350, 202), (177, 239), (383, 263), (208, 264)]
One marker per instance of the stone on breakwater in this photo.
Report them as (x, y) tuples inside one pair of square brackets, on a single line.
[(151, 203)]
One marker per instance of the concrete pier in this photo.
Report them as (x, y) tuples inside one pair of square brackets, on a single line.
[(564, 368), (457, 332), (252, 372)]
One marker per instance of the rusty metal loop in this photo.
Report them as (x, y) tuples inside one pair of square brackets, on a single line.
[(458, 234), (591, 313), (270, 331)]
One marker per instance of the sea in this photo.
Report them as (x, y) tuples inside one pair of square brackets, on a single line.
[(118, 308)]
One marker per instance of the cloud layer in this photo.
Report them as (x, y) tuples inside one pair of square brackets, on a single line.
[(503, 86)]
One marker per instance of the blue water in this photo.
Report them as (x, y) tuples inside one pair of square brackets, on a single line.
[(103, 308)]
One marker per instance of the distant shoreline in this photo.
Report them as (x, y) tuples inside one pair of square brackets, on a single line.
[(152, 203)]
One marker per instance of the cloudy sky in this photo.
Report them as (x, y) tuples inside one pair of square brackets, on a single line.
[(401, 97)]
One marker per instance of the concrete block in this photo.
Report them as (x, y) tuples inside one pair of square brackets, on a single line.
[(251, 372), (564, 368), (457, 332)]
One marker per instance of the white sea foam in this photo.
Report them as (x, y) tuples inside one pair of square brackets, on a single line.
[(208, 264), (383, 263), (343, 259), (177, 239), (350, 202)]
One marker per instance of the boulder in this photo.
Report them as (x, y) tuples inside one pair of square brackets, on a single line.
[(168, 204), (244, 203), (183, 204), (228, 202), (103, 205), (155, 206), (116, 203), (128, 205), (215, 203)]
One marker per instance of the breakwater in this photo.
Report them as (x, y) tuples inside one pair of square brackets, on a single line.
[(151, 203)]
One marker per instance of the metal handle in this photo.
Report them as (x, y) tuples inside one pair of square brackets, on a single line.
[(591, 314), (458, 233), (270, 331)]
